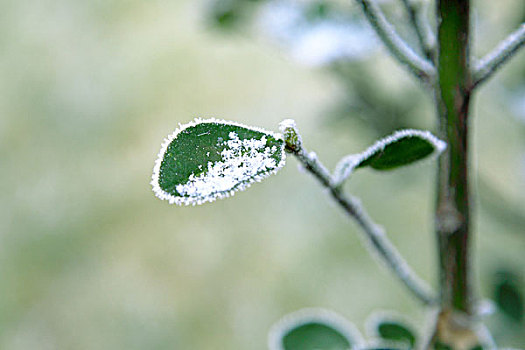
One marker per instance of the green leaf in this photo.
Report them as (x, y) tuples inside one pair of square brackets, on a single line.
[(208, 159), (397, 332), (507, 295), (392, 329), (399, 149), (314, 329)]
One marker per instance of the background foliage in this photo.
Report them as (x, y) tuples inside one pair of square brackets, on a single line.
[(90, 259)]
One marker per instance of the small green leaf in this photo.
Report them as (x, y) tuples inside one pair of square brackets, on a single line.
[(314, 329), (208, 159), (401, 148), (397, 332), (392, 329), (507, 295)]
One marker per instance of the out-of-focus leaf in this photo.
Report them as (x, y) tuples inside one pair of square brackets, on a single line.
[(231, 14), (396, 331), (313, 329), (508, 296), (315, 335), (392, 330), (209, 159)]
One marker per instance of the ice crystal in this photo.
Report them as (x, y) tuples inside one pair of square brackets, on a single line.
[(242, 160)]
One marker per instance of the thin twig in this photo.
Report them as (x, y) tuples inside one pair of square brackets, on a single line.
[(422, 29), (489, 64), (372, 231), (421, 68)]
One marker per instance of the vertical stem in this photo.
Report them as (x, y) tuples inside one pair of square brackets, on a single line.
[(453, 93), (453, 210)]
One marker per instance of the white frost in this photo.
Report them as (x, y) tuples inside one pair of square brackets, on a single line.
[(241, 161)]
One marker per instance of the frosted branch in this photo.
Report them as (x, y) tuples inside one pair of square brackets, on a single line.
[(421, 27), (372, 232), (421, 68), (489, 64)]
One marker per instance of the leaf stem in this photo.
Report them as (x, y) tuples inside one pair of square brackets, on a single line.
[(373, 232), (495, 59), (422, 29), (420, 67)]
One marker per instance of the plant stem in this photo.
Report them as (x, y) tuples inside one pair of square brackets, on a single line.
[(489, 64), (422, 29), (453, 207), (453, 92), (375, 235), (420, 67)]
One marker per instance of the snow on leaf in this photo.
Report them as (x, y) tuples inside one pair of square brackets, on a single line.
[(208, 159), (401, 148)]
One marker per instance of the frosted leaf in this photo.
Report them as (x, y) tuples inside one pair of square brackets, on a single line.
[(508, 296), (314, 328), (401, 148), (391, 330), (208, 159)]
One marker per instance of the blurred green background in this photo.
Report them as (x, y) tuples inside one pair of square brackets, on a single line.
[(90, 259)]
